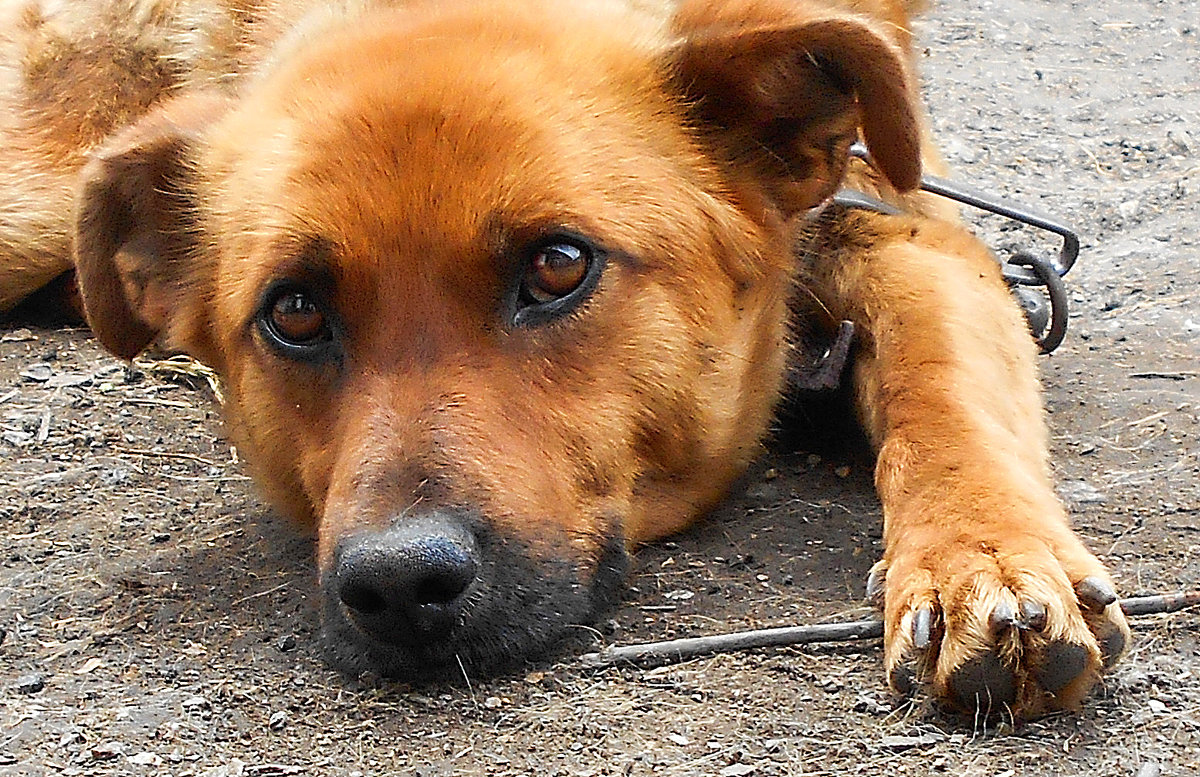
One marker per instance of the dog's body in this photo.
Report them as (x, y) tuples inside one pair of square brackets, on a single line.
[(500, 289)]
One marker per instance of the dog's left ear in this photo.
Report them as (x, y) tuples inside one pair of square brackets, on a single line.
[(782, 90)]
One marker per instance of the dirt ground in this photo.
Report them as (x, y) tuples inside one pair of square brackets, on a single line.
[(155, 618)]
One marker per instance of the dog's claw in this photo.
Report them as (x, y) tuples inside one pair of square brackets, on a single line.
[(1033, 616), (876, 585), (922, 626), (1002, 618), (1095, 594)]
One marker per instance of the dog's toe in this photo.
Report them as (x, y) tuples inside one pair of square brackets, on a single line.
[(999, 633), (1114, 639)]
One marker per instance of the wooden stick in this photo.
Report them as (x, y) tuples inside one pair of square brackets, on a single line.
[(1152, 605), (676, 650)]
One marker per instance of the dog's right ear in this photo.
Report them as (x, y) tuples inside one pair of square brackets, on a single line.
[(136, 223)]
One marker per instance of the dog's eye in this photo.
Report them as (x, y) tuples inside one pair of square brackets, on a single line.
[(554, 272), (294, 323), (297, 319), (558, 274)]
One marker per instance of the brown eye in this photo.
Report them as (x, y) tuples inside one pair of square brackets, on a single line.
[(298, 324), (555, 271), (297, 320), (560, 273)]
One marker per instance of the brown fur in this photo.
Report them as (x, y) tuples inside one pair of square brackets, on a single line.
[(398, 163)]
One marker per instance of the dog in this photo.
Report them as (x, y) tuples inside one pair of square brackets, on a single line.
[(499, 290)]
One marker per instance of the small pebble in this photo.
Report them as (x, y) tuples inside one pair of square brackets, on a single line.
[(736, 770), (31, 683), (196, 703), (37, 373), (287, 642), (146, 759), (18, 336), (1081, 492), (108, 751)]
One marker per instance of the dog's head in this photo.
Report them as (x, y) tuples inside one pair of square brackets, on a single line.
[(495, 289)]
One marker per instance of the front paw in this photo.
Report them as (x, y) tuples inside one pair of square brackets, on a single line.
[(1009, 624)]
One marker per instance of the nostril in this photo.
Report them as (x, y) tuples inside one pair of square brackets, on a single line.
[(446, 569), (363, 598), (441, 589)]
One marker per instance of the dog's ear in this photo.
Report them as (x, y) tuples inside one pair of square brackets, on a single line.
[(135, 222), (782, 90)]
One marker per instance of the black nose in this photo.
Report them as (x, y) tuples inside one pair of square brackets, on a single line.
[(406, 585)]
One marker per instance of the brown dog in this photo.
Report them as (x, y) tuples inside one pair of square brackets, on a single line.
[(501, 289)]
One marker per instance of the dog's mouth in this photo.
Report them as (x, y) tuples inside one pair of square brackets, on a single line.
[(443, 595)]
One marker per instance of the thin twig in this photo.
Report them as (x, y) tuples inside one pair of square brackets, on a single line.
[(676, 650), (1153, 605), (1165, 375), (267, 592), (164, 455)]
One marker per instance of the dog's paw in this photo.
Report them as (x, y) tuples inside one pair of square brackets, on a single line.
[(1010, 625)]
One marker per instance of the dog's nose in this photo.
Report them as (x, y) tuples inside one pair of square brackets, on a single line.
[(406, 584)]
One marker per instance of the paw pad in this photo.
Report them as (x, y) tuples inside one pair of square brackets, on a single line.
[(1061, 664), (983, 683)]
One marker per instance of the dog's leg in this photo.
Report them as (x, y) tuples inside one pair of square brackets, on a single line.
[(990, 598)]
